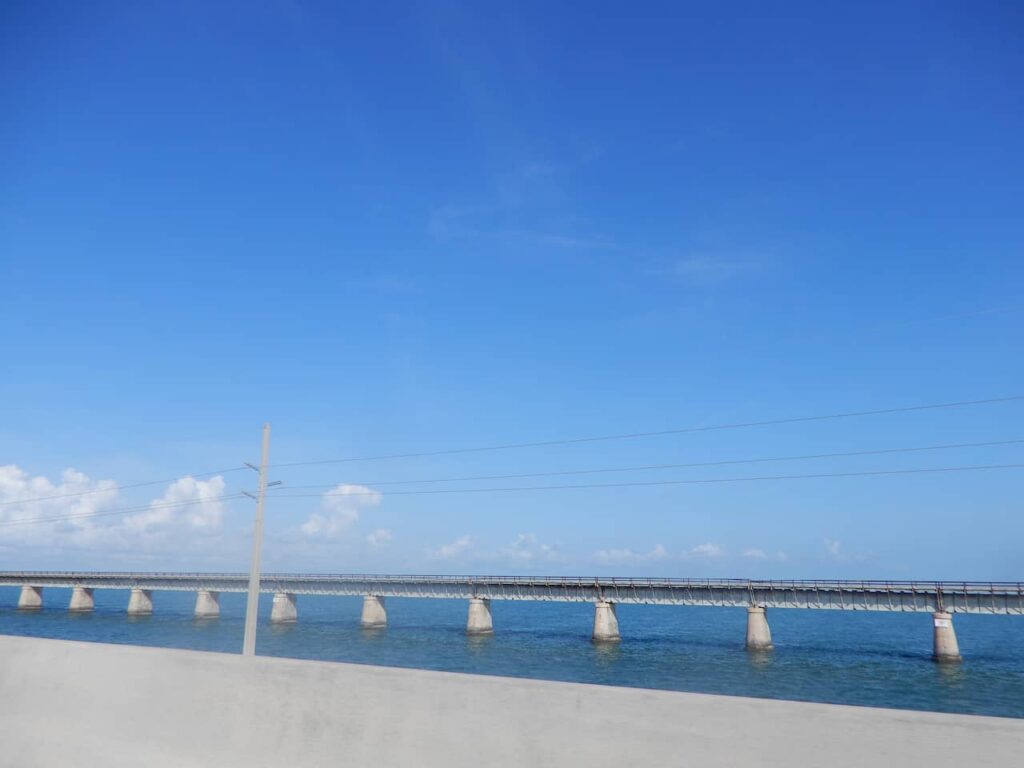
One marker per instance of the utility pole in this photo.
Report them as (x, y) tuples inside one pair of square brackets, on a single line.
[(252, 603)]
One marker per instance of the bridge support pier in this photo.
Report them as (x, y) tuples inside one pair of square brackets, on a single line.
[(479, 621), (374, 614), (759, 634), (284, 610), (31, 598), (945, 646), (606, 623), (81, 600), (207, 604), (140, 603)]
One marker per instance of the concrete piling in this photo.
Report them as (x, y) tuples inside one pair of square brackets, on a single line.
[(207, 604), (479, 621), (31, 598), (284, 610), (81, 600), (606, 623), (140, 603), (945, 646), (374, 614), (759, 634)]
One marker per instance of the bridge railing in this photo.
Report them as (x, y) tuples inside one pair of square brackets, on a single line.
[(841, 585)]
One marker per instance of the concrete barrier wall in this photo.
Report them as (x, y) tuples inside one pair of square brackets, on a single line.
[(82, 704)]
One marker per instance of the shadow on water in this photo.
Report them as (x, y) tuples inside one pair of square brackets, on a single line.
[(760, 660), (607, 654), (373, 634), (833, 650), (478, 644), (951, 673), (690, 642)]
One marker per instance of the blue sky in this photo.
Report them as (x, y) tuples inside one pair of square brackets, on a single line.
[(416, 227)]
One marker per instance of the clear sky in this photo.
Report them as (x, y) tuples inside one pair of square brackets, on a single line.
[(390, 228)]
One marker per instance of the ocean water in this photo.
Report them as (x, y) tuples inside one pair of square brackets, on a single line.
[(860, 658)]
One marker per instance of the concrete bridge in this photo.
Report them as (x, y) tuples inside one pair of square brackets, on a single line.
[(940, 598)]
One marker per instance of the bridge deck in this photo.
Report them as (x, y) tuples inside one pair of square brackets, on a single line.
[(953, 596)]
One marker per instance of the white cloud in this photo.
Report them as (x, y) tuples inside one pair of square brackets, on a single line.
[(760, 554), (379, 537), (454, 548), (618, 556), (71, 514), (838, 552), (624, 556), (527, 547), (195, 502), (28, 504), (706, 550), (340, 508)]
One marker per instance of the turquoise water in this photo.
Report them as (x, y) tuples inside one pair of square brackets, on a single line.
[(871, 659)]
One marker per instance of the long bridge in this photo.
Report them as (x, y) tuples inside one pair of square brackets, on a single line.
[(940, 598)]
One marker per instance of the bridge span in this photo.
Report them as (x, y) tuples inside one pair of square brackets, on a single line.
[(940, 598)]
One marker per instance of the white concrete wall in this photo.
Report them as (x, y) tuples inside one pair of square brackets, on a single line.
[(81, 704)]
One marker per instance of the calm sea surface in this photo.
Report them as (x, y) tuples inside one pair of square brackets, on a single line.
[(872, 659)]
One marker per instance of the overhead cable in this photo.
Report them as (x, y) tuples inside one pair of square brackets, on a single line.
[(657, 433), (561, 473), (702, 481)]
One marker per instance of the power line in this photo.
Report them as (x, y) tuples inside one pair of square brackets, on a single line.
[(118, 487), (844, 454), (658, 433), (119, 511), (568, 441), (703, 481)]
